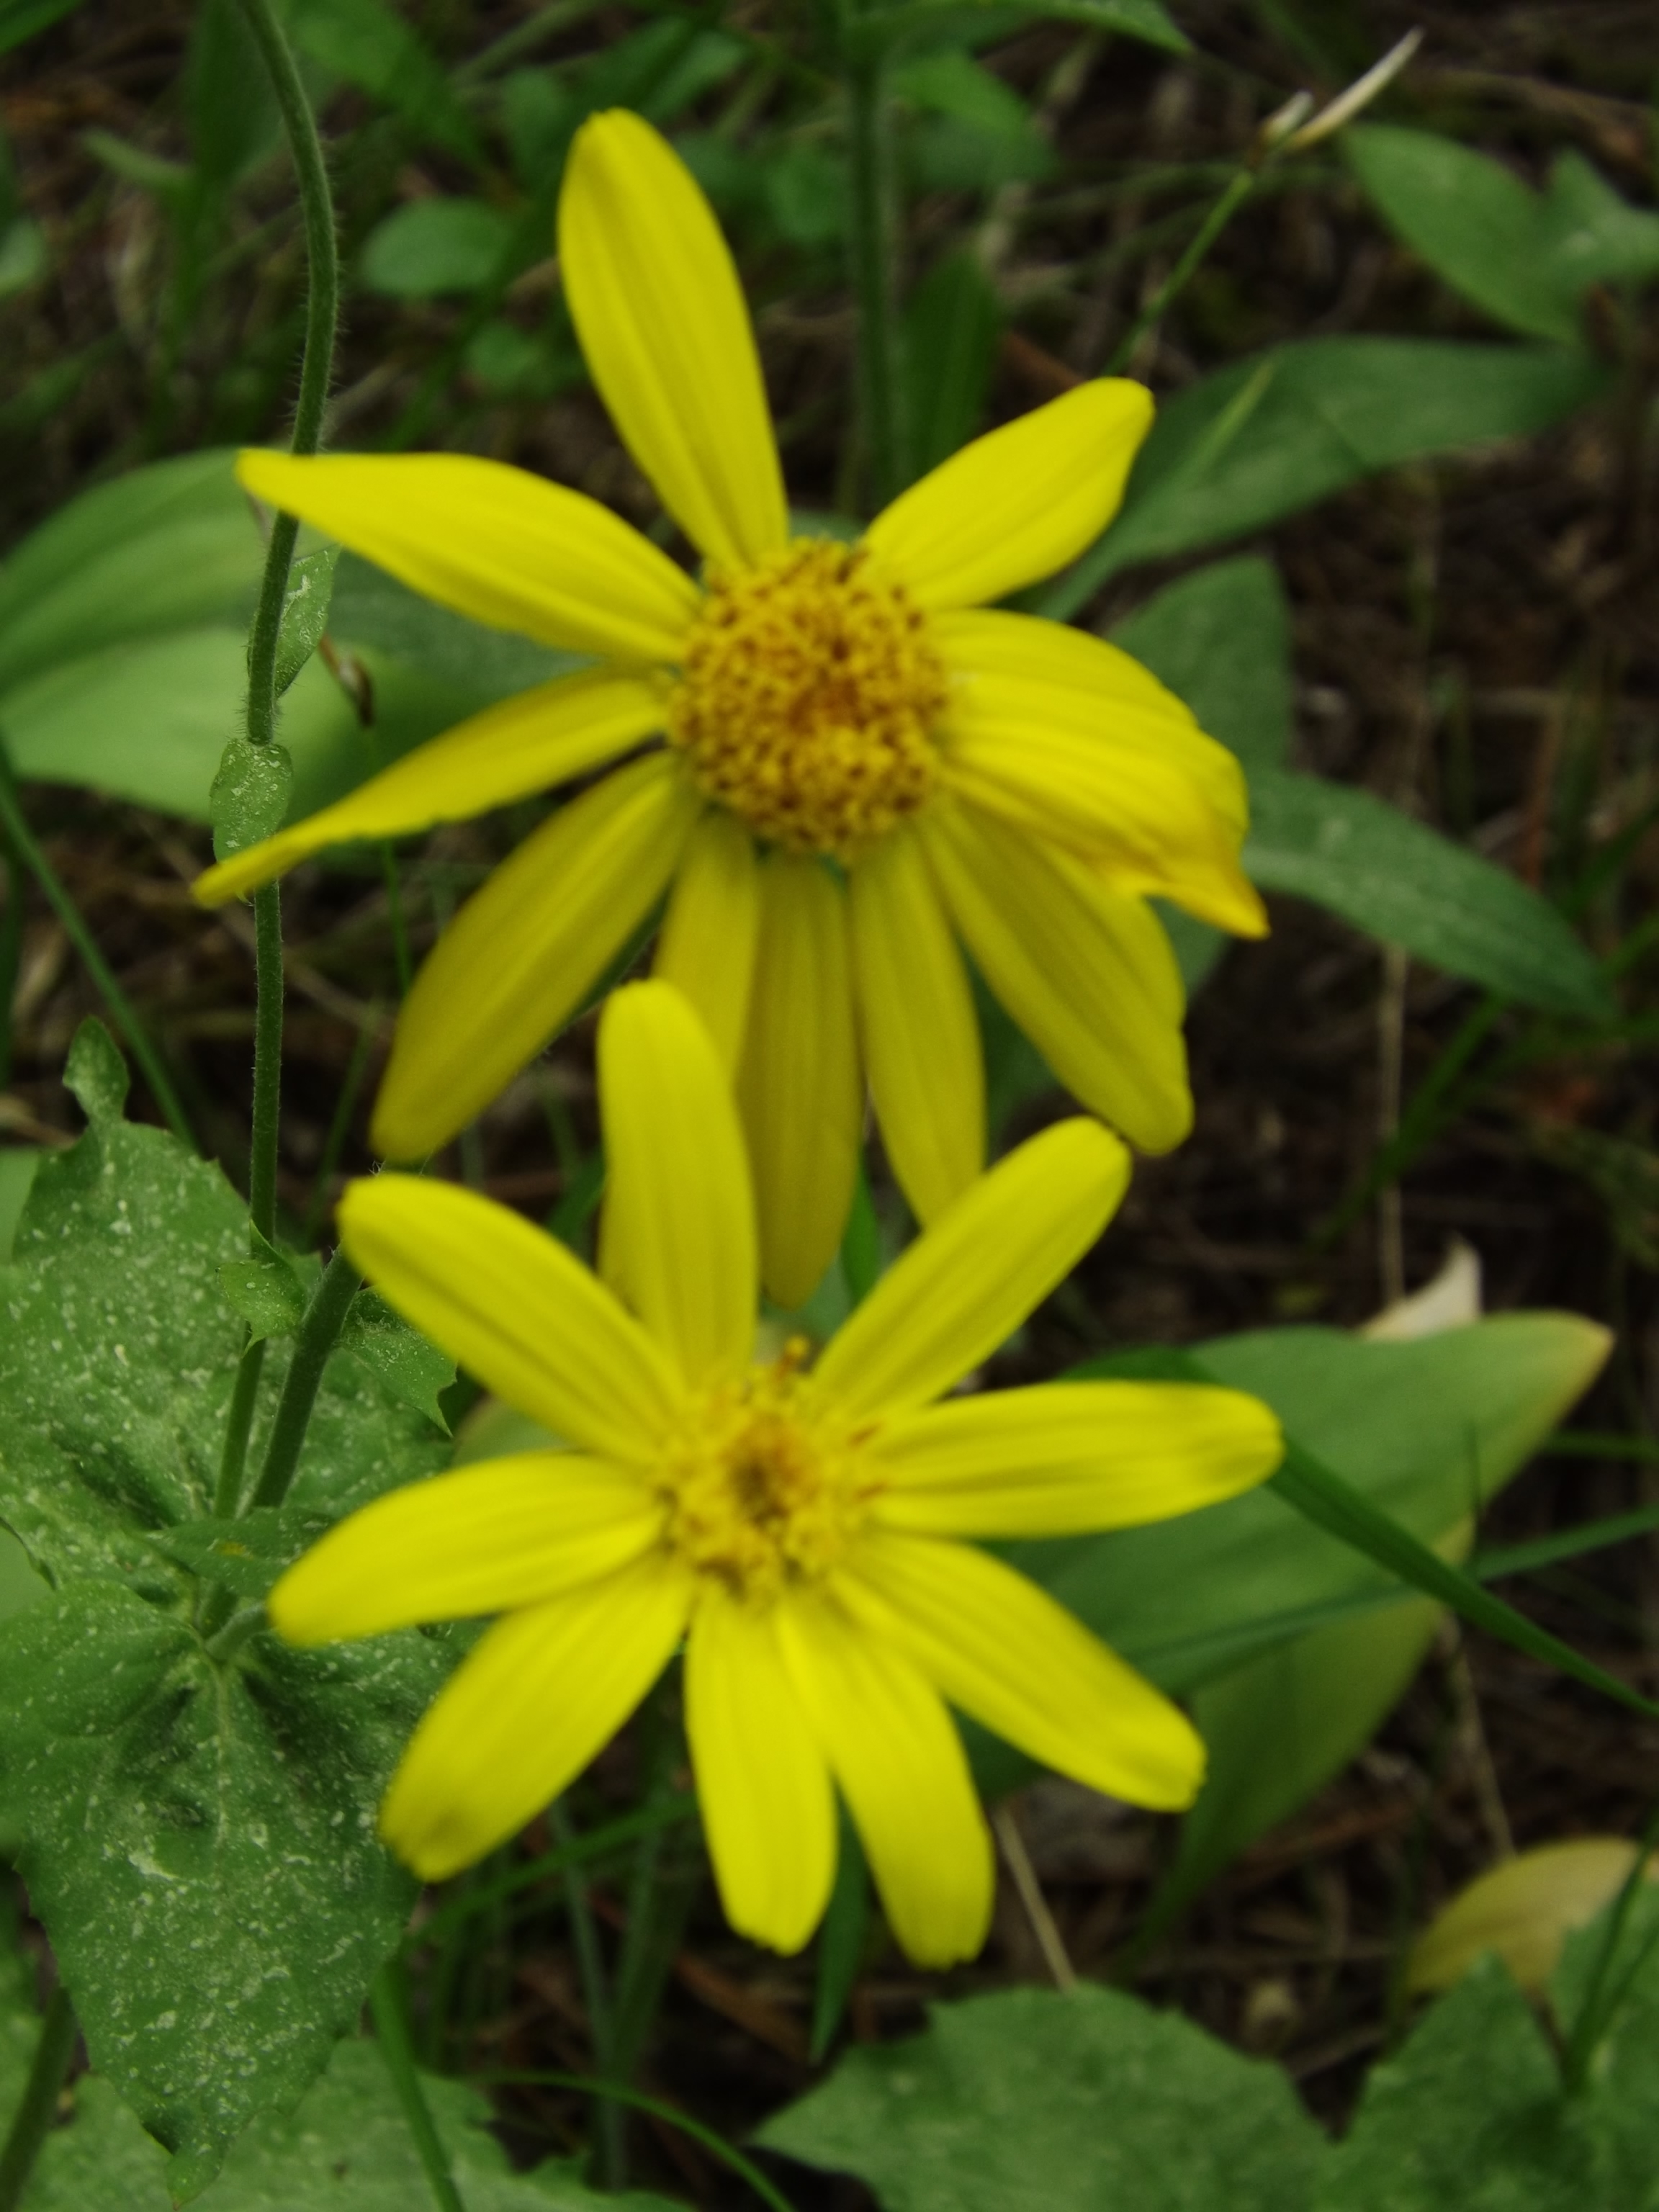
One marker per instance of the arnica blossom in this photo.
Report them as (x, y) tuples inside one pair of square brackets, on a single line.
[(854, 767), (795, 1522)]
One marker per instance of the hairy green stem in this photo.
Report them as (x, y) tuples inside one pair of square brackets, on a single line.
[(23, 845), (33, 2115), (873, 247), (388, 2003), (318, 1330)]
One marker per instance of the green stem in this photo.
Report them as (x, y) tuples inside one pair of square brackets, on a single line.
[(596, 1993), (33, 2115), (872, 245), (267, 1058), (227, 1492), (1243, 184), (225, 1643), (318, 1330), (386, 2001), (316, 369), (23, 845)]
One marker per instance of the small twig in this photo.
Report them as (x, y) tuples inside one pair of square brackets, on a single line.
[(1019, 1866)]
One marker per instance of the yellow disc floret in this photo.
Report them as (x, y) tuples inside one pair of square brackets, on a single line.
[(808, 696), (761, 1491)]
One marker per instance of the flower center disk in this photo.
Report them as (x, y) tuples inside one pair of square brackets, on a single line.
[(809, 693), (760, 1493)]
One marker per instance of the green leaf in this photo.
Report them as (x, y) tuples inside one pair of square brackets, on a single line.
[(231, 108), (168, 548), (250, 796), (1469, 2113), (96, 1072), (304, 612), (369, 46), (1221, 640), (886, 30), (1591, 236), (1404, 882), (23, 256), (171, 181), (265, 1288), (400, 1358), (1031, 2101), (435, 246), (21, 19), (951, 325), (248, 1555), (17, 1165), (951, 82), (1307, 418), (221, 1820), (1472, 219), (372, 609)]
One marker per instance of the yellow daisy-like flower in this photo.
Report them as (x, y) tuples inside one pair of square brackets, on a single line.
[(795, 1522), (862, 768)]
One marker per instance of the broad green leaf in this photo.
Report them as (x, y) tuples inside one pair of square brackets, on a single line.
[(247, 1555), (1592, 235), (1221, 640), (372, 609), (17, 1165), (250, 796), (304, 612), (1469, 2114), (172, 547), (435, 246), (951, 82), (372, 46), (1266, 437), (399, 1358), (221, 1819), (235, 1804), (1473, 221), (265, 1291), (950, 333), (1403, 882), (1031, 2101), (346, 2148)]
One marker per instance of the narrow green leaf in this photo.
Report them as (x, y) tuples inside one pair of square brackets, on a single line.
[(1405, 884), (1327, 412), (841, 1939), (170, 181), (250, 796), (1031, 2101), (950, 328)]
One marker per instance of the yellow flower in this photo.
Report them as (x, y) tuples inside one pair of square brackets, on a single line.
[(861, 764), (794, 1522)]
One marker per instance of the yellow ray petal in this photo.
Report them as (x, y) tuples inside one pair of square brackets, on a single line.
[(661, 317), (967, 1283), (530, 743), (678, 1229), (505, 1533), (1018, 503), (899, 1762), (768, 1809), (1067, 679), (707, 948), (493, 542), (1000, 1648), (1070, 1455), (537, 1696), (516, 960), (802, 1101), (1088, 975), (514, 1309), (917, 1024)]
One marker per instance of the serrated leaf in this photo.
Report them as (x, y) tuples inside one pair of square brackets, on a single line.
[(1405, 884), (1269, 435), (413, 1369), (96, 1072), (304, 612), (221, 1820), (1032, 2101), (250, 795)]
